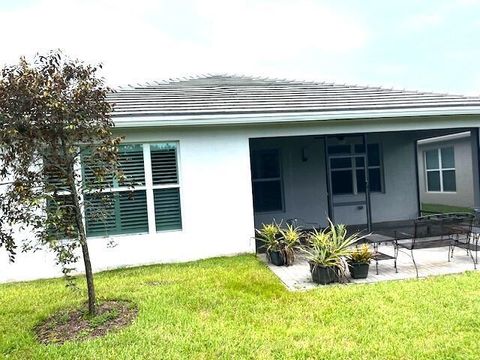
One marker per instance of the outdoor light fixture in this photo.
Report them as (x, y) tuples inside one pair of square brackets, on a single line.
[(305, 154)]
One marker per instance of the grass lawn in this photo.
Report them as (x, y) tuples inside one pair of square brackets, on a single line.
[(439, 209), (235, 308)]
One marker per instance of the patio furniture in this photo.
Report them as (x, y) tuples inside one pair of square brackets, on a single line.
[(470, 239), (470, 244), (434, 231), (375, 240)]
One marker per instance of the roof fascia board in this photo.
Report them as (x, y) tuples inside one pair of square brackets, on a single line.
[(444, 138), (273, 118)]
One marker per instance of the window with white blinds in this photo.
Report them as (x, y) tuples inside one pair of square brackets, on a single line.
[(152, 205)]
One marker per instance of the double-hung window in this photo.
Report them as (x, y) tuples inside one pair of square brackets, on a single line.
[(440, 170), (347, 168), (165, 186), (266, 180), (154, 201)]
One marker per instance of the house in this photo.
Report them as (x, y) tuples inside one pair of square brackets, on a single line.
[(217, 156), (445, 170)]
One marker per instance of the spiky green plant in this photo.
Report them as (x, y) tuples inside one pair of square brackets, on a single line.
[(290, 238), (361, 255), (330, 247), (269, 234), (283, 240)]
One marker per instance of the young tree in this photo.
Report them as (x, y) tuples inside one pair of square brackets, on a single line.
[(54, 119)]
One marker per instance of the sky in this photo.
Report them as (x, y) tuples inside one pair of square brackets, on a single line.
[(419, 45)]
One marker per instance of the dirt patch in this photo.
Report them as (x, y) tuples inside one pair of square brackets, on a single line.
[(78, 325)]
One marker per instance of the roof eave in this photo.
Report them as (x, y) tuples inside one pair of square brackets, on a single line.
[(155, 120)]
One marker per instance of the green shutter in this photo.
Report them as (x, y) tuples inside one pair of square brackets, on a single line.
[(133, 212), (88, 171), (100, 214), (117, 213), (130, 158), (55, 178), (164, 163), (167, 209), (131, 163), (60, 206)]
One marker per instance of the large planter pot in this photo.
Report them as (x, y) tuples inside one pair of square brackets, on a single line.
[(358, 270), (323, 275), (276, 258)]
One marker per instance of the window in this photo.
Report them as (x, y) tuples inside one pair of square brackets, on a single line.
[(60, 206), (59, 202), (154, 203), (266, 181), (347, 168), (440, 170), (166, 190)]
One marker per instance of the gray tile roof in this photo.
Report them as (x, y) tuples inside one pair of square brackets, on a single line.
[(230, 95)]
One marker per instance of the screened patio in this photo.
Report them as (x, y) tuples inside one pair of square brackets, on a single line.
[(368, 181)]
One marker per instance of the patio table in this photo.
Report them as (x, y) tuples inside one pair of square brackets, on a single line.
[(375, 240)]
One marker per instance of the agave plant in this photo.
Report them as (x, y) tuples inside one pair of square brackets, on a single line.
[(277, 239), (361, 255), (330, 247), (290, 239), (269, 234)]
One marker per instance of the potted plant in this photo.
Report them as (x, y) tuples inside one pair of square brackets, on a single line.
[(290, 238), (326, 252), (269, 234), (279, 243), (359, 261)]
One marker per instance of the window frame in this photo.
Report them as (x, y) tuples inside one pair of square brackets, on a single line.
[(148, 187), (152, 187), (353, 168), (271, 179), (440, 169)]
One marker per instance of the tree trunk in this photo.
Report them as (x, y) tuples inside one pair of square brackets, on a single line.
[(86, 255), (89, 277), (82, 236)]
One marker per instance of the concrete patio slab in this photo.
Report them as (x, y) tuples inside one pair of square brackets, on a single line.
[(430, 262)]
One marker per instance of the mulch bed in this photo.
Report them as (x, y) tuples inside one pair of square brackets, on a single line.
[(75, 324)]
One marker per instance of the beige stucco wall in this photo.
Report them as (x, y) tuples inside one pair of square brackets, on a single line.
[(463, 174)]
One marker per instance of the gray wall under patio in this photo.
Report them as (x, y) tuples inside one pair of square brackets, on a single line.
[(305, 189), (463, 174)]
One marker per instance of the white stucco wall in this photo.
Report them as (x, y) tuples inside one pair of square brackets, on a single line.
[(463, 196), (217, 211), (216, 194)]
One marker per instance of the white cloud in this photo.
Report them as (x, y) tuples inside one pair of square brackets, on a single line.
[(133, 40), (423, 21), (467, 2), (281, 27)]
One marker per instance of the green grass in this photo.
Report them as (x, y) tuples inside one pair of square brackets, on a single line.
[(440, 209), (235, 308)]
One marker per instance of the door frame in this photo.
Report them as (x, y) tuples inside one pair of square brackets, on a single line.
[(330, 196)]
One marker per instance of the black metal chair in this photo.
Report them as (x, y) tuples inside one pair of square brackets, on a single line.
[(467, 236), (433, 231)]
